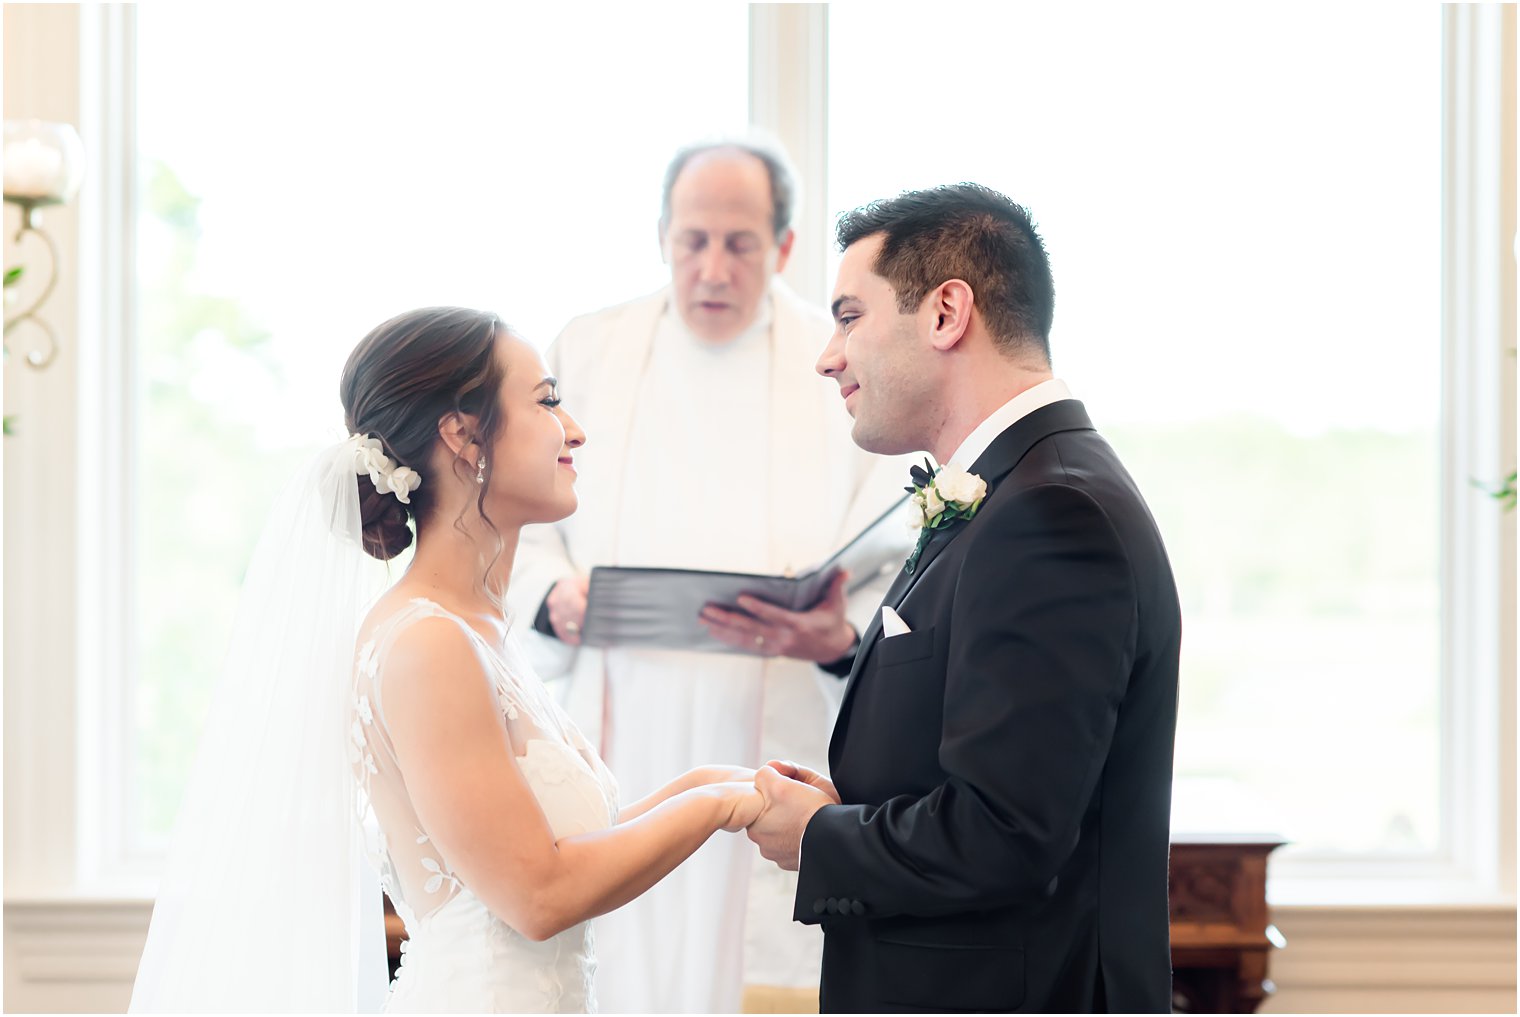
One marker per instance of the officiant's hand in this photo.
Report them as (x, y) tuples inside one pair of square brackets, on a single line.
[(789, 804), (821, 635), (567, 608)]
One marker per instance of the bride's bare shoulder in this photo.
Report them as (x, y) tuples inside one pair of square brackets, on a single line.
[(421, 640), (393, 603), (432, 679)]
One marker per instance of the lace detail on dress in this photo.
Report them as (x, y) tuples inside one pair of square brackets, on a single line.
[(458, 954), (439, 876)]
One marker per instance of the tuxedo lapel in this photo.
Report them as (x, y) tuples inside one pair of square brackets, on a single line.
[(937, 542), (895, 594), (993, 466), (868, 641), (1023, 434)]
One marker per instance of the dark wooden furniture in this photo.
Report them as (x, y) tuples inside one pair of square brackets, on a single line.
[(1221, 937), (395, 932)]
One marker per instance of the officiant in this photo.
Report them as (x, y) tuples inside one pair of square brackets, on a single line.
[(711, 445)]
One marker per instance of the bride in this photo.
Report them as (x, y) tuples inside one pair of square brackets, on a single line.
[(427, 744)]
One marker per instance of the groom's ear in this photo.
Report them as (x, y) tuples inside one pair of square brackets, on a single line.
[(949, 307)]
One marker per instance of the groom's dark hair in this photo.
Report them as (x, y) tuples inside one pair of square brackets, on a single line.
[(967, 232)]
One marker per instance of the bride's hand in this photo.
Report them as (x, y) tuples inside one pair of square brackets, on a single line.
[(745, 803), (720, 774)]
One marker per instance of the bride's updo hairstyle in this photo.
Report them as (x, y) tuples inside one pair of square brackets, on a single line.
[(399, 382)]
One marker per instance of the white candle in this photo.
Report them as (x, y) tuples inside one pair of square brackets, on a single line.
[(33, 170)]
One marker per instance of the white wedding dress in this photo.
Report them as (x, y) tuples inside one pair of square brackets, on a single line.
[(460, 957)]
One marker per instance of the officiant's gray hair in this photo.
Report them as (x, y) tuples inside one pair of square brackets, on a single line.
[(778, 167)]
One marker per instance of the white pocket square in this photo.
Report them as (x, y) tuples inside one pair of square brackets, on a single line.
[(891, 624)]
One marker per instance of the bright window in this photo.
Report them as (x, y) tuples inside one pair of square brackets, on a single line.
[(1243, 213), (310, 177)]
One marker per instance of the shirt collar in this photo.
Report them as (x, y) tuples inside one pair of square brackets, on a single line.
[(1002, 418)]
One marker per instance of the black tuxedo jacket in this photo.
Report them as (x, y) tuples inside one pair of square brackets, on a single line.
[(1006, 766)]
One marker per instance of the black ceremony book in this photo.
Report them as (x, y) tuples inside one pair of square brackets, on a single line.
[(658, 607)]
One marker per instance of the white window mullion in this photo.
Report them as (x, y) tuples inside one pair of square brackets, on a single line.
[(788, 96), (1509, 282), (108, 413), (1478, 300)]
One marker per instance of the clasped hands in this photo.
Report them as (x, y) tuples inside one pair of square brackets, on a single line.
[(776, 808)]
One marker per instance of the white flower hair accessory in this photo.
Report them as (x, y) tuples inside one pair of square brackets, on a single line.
[(388, 478)]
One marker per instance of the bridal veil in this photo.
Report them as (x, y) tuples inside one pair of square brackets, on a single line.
[(267, 902)]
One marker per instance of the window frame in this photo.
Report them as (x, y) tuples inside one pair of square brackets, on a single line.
[(69, 658)]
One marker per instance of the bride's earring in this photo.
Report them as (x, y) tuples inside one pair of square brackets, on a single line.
[(480, 477)]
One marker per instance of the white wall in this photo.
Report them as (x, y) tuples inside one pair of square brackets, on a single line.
[(41, 81), (81, 955), (1394, 960)]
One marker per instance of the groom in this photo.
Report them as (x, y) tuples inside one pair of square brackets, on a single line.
[(1003, 755)]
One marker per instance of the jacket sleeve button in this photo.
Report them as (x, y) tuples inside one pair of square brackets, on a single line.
[(818, 906)]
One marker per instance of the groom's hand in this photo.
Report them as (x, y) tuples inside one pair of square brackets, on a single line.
[(821, 635), (796, 771), (789, 804)]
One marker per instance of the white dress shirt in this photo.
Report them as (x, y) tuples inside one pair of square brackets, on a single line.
[(1020, 406)]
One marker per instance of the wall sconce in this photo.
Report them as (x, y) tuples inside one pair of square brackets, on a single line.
[(44, 164)]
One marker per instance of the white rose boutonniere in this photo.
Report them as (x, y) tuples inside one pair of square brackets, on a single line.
[(915, 517), (938, 499), (955, 484), (934, 505)]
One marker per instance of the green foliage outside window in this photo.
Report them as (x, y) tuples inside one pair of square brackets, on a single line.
[(12, 278), (206, 487)]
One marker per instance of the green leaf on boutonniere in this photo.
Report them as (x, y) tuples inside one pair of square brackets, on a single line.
[(13, 275), (918, 549)]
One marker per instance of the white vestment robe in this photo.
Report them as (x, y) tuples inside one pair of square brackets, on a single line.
[(736, 458)]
